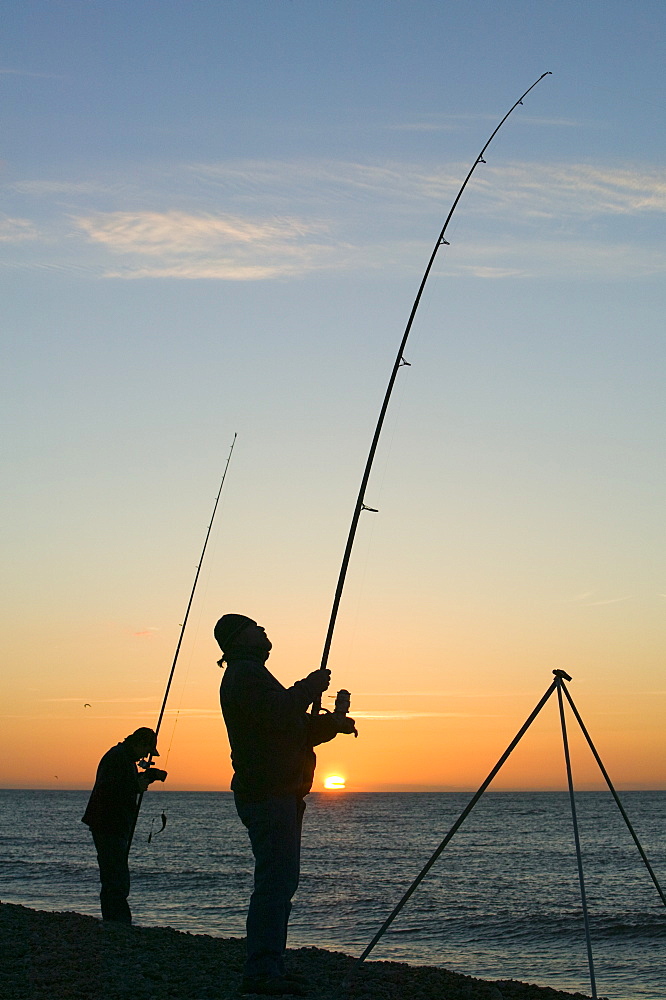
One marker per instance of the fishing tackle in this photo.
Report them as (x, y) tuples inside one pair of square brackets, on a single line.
[(180, 637), (400, 362), (163, 817), (151, 773), (343, 704)]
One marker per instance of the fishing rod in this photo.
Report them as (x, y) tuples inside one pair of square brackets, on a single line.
[(399, 363), (149, 760)]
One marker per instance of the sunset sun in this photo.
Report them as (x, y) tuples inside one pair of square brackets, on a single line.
[(334, 781)]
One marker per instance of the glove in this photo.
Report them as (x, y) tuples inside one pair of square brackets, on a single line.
[(318, 680), (154, 774)]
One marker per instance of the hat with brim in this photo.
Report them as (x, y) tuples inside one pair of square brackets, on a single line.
[(148, 736)]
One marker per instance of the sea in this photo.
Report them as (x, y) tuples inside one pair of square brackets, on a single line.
[(501, 902)]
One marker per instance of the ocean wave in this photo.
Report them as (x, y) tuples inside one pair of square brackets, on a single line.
[(503, 896), (646, 926)]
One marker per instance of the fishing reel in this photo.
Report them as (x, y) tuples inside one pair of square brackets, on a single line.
[(150, 772), (342, 702), (342, 705), (340, 709)]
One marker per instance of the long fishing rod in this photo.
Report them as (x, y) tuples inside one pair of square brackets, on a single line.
[(182, 631), (399, 363)]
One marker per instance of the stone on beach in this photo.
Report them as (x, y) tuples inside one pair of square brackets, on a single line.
[(68, 956)]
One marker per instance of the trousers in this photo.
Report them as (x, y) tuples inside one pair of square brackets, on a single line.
[(274, 827), (114, 875)]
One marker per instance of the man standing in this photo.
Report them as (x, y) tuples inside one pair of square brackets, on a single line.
[(271, 737), (111, 813)]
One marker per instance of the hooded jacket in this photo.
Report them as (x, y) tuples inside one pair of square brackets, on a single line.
[(270, 732)]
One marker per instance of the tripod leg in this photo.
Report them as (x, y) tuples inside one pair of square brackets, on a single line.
[(579, 857), (616, 797), (456, 826)]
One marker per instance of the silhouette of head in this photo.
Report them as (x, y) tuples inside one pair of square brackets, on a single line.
[(237, 633), (143, 741), (228, 627)]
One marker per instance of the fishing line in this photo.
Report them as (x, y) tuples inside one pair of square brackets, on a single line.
[(377, 497), (182, 633), (197, 629), (400, 362), (187, 674)]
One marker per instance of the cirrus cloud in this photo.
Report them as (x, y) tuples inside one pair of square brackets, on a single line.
[(248, 220), (17, 230), (189, 245)]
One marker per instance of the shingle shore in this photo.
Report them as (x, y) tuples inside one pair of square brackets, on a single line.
[(68, 956)]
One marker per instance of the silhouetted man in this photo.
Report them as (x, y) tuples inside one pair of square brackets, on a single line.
[(271, 736), (111, 813)]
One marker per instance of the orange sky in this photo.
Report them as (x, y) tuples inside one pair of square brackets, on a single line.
[(428, 728), (171, 276)]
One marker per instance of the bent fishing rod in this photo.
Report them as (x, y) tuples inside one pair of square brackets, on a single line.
[(149, 760), (399, 363)]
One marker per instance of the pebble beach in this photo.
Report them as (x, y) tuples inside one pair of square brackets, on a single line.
[(68, 956)]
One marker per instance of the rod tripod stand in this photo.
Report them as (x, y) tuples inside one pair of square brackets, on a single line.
[(559, 686)]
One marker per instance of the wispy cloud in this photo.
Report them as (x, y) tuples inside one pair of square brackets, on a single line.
[(44, 189), (545, 190), (258, 220), (610, 600), (17, 230), (180, 232), (207, 245), (388, 716), (450, 123), (444, 694), (100, 701), (534, 257), (127, 718), (540, 189), (585, 600), (197, 713), (383, 715), (558, 122)]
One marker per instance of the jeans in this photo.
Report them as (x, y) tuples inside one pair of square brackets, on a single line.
[(274, 827), (114, 875)]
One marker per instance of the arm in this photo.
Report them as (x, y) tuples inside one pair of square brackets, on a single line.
[(324, 728), (261, 694), (150, 775)]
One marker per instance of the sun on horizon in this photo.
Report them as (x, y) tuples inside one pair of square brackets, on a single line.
[(334, 781)]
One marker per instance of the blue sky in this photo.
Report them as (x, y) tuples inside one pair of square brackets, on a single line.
[(215, 218)]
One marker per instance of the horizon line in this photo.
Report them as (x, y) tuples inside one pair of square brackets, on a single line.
[(382, 790)]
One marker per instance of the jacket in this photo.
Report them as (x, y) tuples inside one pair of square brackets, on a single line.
[(270, 732), (112, 804)]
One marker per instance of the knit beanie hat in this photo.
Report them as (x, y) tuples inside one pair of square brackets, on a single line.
[(228, 627)]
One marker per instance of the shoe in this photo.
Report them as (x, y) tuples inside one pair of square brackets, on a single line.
[(272, 986)]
